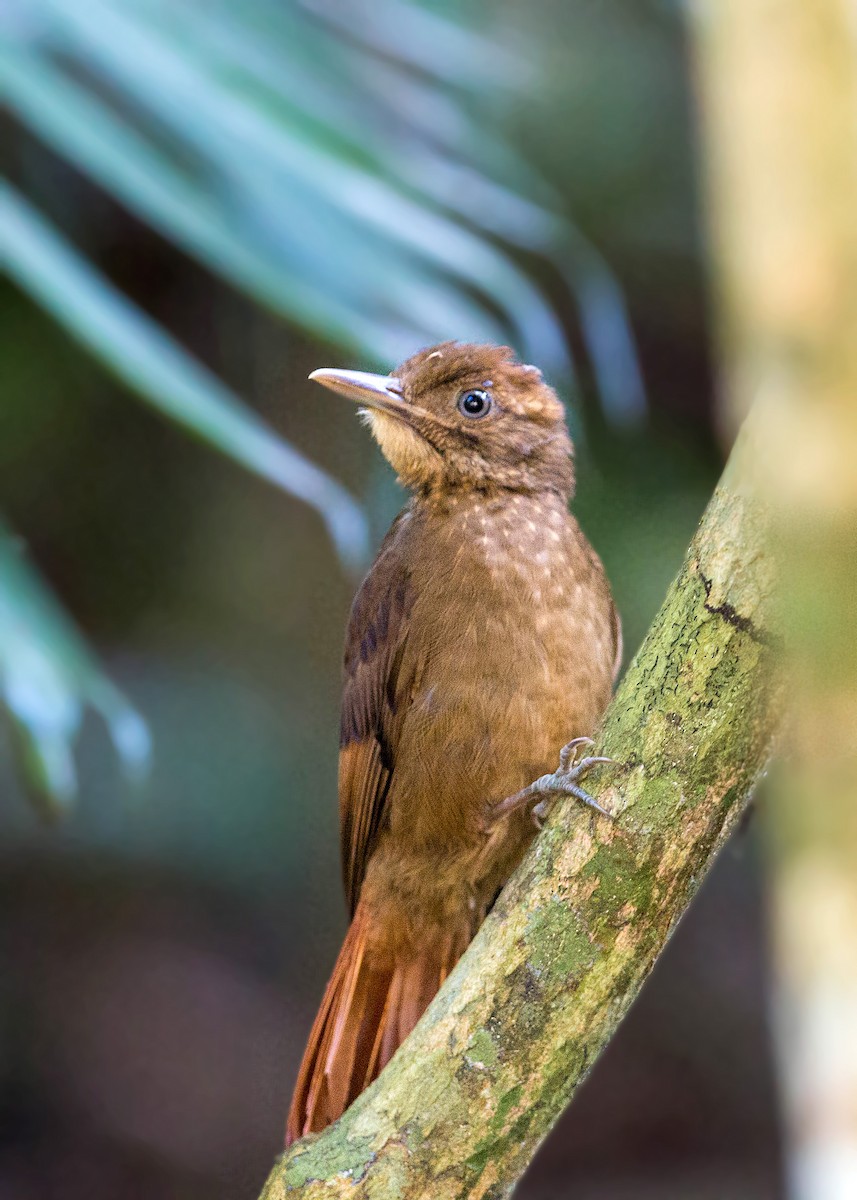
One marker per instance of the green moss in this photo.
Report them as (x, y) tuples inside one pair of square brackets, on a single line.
[(481, 1049), (620, 881), (328, 1156), (487, 1147), (655, 803), (478, 1160), (507, 1102), (556, 945)]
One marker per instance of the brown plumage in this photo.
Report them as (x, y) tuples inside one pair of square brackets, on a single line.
[(483, 638)]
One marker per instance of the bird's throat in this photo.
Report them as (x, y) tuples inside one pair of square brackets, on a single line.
[(412, 458)]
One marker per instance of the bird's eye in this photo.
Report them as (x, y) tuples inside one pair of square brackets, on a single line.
[(474, 403)]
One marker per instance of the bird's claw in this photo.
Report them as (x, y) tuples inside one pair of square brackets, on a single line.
[(571, 770), (568, 753), (564, 781)]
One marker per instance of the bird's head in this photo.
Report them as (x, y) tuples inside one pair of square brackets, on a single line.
[(459, 415)]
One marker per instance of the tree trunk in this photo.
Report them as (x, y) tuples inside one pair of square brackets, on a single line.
[(780, 90)]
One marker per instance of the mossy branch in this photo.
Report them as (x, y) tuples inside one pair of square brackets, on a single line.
[(462, 1108)]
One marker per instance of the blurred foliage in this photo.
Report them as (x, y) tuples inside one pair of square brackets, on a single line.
[(144, 357), (349, 182), (131, 930), (345, 166), (48, 679)]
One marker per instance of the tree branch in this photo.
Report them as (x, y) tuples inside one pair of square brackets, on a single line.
[(462, 1108)]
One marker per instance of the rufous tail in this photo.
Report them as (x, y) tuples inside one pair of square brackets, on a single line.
[(369, 1008)]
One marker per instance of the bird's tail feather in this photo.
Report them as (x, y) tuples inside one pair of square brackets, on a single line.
[(368, 1009)]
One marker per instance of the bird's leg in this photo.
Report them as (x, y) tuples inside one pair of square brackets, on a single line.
[(565, 781)]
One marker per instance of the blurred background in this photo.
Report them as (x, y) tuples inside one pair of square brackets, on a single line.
[(204, 202)]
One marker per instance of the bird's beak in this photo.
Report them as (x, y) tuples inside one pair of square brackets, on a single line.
[(373, 391)]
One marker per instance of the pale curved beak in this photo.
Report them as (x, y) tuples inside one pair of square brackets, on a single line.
[(375, 391)]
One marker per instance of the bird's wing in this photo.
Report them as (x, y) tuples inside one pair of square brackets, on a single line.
[(378, 686), (616, 623)]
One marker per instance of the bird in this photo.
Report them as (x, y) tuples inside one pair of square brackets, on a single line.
[(483, 637)]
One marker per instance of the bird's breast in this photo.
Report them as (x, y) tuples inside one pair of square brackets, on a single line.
[(512, 626)]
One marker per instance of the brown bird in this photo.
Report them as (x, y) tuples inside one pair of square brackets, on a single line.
[(482, 639)]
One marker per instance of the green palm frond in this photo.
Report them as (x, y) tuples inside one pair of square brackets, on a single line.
[(342, 165), (48, 679), (152, 364), (338, 163)]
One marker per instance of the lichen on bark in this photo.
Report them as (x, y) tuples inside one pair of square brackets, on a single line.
[(463, 1106)]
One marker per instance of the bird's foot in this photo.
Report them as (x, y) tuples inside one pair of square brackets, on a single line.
[(565, 781)]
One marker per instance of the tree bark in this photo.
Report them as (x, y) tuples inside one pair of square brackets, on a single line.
[(462, 1108), (779, 84)]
